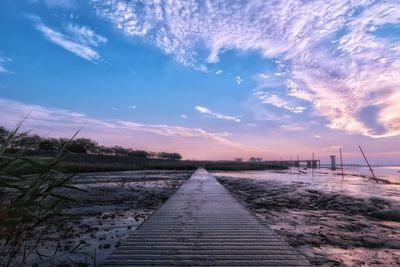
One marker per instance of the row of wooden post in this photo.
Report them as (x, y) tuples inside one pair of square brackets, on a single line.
[(341, 164)]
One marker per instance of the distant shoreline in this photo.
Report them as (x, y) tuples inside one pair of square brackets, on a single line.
[(80, 163)]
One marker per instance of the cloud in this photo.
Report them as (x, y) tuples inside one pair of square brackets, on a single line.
[(60, 122), (332, 148), (203, 110), (216, 115), (276, 101), (239, 80), (3, 60), (335, 50), (294, 127), (183, 116), (262, 113), (79, 40), (296, 91), (133, 107), (218, 72), (85, 35)]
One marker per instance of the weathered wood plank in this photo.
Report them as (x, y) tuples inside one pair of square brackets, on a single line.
[(202, 224)]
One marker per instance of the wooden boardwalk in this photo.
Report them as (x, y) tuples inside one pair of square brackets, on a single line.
[(202, 224)]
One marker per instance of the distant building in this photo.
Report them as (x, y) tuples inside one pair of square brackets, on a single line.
[(333, 162), (255, 159), (238, 159)]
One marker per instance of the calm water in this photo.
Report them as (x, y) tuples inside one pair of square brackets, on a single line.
[(356, 181)]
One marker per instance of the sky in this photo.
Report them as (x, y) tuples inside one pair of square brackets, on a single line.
[(219, 79)]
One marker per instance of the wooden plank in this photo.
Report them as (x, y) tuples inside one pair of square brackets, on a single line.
[(185, 251), (202, 224)]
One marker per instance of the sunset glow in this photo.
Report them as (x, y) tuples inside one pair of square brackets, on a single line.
[(208, 79)]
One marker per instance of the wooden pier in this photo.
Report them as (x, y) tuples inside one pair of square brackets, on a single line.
[(310, 163), (202, 224)]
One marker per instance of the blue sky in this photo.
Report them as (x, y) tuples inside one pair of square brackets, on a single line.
[(210, 79)]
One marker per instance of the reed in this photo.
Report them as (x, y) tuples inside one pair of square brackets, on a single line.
[(28, 202)]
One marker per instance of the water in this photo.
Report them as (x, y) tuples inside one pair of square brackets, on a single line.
[(356, 182)]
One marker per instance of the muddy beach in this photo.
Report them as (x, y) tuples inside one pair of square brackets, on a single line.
[(329, 228), (113, 205)]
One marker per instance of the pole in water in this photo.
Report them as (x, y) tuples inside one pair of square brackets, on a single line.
[(341, 162), (298, 164), (369, 166), (312, 164), (290, 165)]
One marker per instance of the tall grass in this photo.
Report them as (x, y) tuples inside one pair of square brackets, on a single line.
[(28, 203)]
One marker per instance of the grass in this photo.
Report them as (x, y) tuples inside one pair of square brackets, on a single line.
[(28, 203), (99, 163)]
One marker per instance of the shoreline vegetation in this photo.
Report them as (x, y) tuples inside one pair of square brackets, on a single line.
[(85, 155)]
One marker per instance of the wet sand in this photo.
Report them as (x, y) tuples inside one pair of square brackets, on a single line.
[(330, 229), (113, 205)]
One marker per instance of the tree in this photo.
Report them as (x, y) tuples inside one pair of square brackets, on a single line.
[(169, 156), (103, 150), (255, 159), (30, 142), (138, 153), (25, 141), (47, 145), (20, 141), (76, 148), (120, 151), (89, 145), (3, 134), (34, 141), (152, 155), (175, 156)]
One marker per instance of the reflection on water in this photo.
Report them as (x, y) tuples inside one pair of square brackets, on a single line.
[(356, 180)]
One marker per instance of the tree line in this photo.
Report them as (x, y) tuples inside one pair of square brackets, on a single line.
[(34, 142)]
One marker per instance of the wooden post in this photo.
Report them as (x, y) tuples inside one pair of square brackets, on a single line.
[(372, 171), (341, 162), (290, 165), (312, 164), (298, 163)]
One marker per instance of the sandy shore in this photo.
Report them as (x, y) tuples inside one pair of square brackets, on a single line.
[(330, 229), (94, 224)]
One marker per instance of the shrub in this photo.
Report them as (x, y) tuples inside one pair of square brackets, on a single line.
[(169, 156), (138, 154)]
